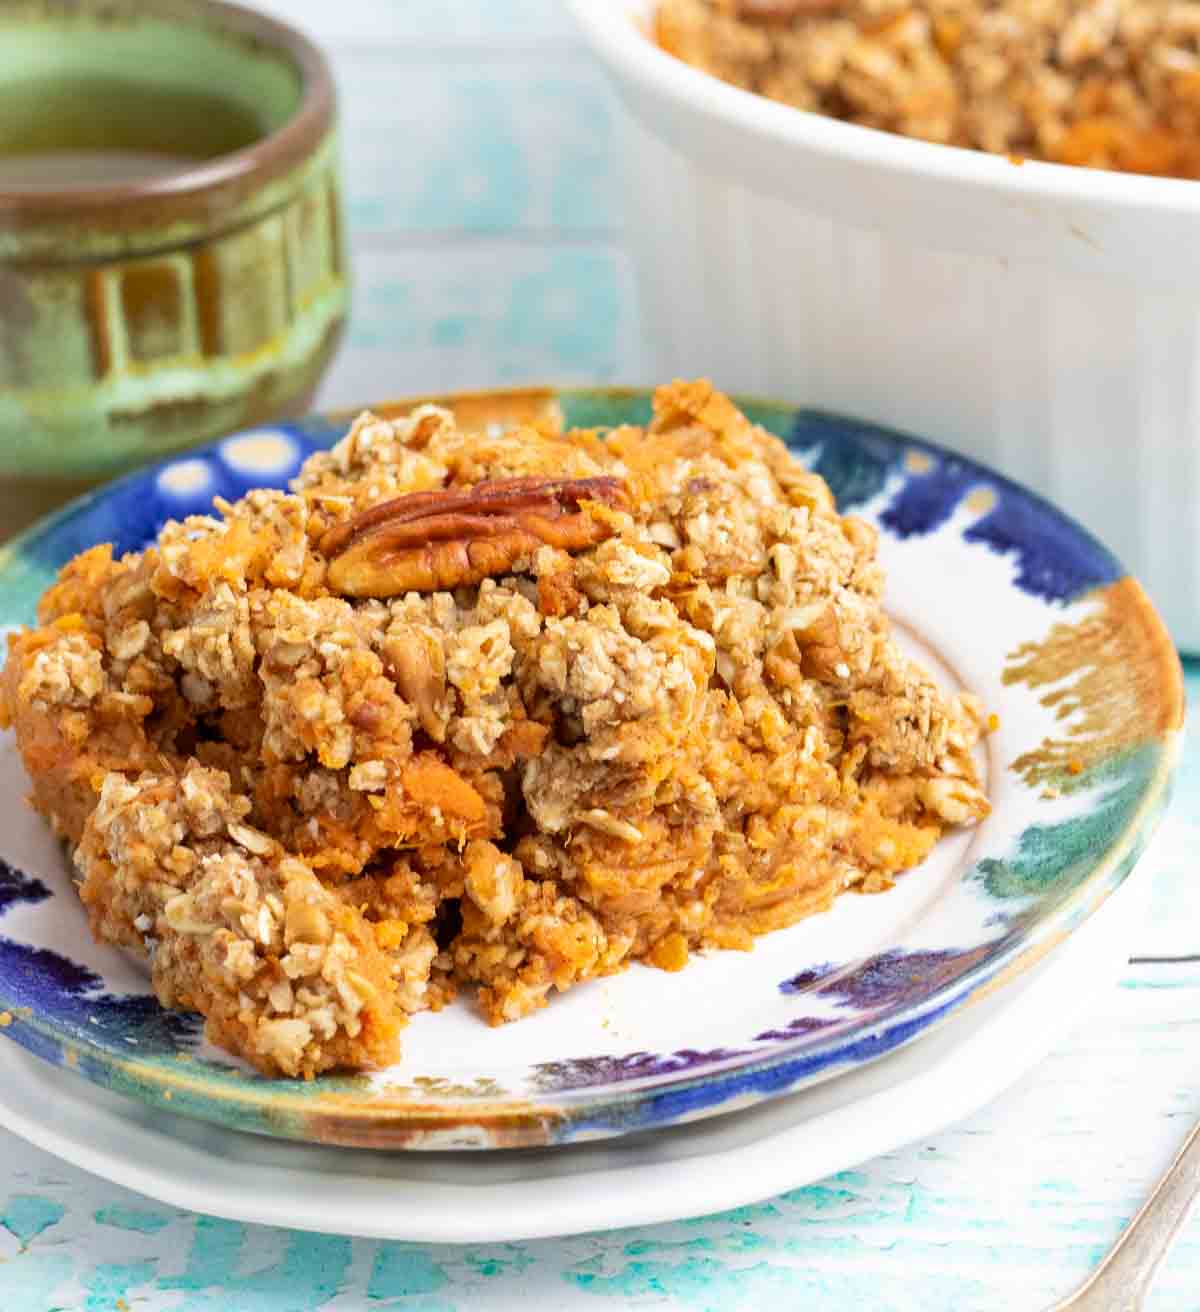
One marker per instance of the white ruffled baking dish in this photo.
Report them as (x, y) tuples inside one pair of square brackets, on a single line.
[(1043, 319)]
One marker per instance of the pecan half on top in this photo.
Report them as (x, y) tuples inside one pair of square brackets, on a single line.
[(428, 541)]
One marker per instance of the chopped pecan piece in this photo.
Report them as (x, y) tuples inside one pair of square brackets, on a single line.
[(428, 541), (418, 666)]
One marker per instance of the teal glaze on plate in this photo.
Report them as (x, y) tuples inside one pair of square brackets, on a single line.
[(1000, 590)]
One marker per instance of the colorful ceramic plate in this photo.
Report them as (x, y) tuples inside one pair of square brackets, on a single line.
[(711, 1165), (995, 589)]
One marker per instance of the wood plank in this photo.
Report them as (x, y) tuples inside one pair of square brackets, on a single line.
[(496, 22), (450, 318), (469, 145)]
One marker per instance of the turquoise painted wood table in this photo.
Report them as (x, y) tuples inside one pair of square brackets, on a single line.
[(481, 168)]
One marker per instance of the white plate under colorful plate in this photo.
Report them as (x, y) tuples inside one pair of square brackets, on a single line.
[(996, 590), (658, 1175)]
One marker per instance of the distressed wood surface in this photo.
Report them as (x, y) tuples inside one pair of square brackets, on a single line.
[(480, 143)]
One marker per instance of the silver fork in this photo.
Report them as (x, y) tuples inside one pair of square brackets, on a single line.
[(1121, 1282)]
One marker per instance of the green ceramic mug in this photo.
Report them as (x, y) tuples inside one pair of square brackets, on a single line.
[(171, 256)]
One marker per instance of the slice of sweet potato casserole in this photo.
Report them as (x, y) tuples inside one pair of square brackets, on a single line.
[(505, 709)]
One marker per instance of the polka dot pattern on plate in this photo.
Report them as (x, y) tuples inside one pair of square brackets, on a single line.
[(184, 478), (262, 451)]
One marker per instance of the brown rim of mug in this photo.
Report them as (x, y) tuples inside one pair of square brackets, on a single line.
[(213, 187)]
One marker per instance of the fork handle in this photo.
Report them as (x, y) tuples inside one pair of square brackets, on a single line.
[(1122, 1281)]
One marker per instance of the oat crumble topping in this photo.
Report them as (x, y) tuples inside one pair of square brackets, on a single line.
[(575, 700), (1112, 84)]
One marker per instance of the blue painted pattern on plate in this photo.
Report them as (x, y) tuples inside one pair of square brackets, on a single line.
[(980, 570)]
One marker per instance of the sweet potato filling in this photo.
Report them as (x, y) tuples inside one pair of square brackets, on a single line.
[(577, 700)]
